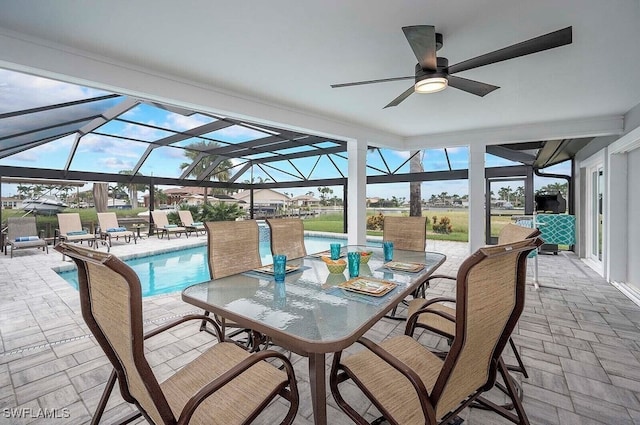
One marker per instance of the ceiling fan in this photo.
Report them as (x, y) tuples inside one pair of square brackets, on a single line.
[(433, 74)]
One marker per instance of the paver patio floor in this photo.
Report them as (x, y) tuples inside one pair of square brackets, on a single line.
[(579, 338)]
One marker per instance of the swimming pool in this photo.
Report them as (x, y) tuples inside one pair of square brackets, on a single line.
[(174, 271)]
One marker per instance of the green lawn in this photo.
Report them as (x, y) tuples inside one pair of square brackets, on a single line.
[(332, 222), (459, 222)]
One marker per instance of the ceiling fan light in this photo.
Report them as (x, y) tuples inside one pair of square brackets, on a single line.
[(431, 85)]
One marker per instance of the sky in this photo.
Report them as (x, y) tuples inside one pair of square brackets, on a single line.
[(102, 152)]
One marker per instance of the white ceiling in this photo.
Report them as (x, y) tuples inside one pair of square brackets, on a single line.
[(287, 52)]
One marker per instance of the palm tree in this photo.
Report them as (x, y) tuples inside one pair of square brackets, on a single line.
[(100, 195), (132, 188), (219, 173), (415, 188)]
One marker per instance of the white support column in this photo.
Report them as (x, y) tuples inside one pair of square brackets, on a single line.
[(357, 193), (476, 196), (616, 219)]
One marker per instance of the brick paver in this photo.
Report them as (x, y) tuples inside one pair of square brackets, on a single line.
[(579, 338)]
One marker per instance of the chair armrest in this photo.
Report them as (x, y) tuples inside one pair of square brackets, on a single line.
[(440, 276), (413, 319), (184, 319), (410, 374), (195, 401)]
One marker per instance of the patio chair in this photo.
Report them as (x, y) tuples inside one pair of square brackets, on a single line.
[(406, 233), (70, 229), (409, 384), (432, 318), (223, 385), (287, 237), (110, 229), (22, 234), (163, 227), (192, 226), (233, 247)]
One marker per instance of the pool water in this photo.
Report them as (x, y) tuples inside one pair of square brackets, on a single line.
[(174, 271)]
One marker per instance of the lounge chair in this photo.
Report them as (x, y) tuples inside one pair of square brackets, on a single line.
[(192, 226), (163, 227), (110, 229), (408, 383), (287, 237), (70, 229), (22, 234), (223, 385)]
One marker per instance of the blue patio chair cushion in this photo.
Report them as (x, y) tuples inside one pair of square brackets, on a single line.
[(117, 229), (26, 238)]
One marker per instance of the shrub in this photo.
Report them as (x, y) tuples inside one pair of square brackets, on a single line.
[(444, 226), (375, 222), (221, 211)]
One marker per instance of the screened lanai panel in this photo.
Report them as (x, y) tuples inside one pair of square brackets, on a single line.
[(109, 133), (7, 145), (51, 155), (296, 149), (459, 157), (259, 155), (387, 161), (236, 134), (132, 131), (165, 161), (196, 143), (280, 171), (24, 122), (164, 119), (24, 91), (497, 161), (106, 154), (325, 167)]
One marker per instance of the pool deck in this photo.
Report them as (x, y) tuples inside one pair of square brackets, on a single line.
[(579, 337)]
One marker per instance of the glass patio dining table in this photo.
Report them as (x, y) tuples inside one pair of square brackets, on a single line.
[(311, 313)]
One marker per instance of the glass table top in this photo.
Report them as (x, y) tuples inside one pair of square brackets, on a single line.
[(309, 305)]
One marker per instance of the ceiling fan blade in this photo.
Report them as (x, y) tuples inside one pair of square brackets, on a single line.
[(383, 80), (544, 42), (422, 39), (403, 96), (471, 86)]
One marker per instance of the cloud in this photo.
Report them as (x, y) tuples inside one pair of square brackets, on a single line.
[(23, 91), (115, 163), (93, 143), (169, 152), (26, 156), (182, 122), (142, 132), (236, 133)]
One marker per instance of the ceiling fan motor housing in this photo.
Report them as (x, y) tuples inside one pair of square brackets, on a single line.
[(421, 73)]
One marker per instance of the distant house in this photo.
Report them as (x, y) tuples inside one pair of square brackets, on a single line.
[(305, 201), (264, 200), (11, 203)]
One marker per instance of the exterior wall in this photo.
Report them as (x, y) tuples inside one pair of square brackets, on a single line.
[(621, 231), (633, 225)]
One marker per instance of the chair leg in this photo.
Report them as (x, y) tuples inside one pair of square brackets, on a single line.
[(520, 417), (520, 368), (104, 399)]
